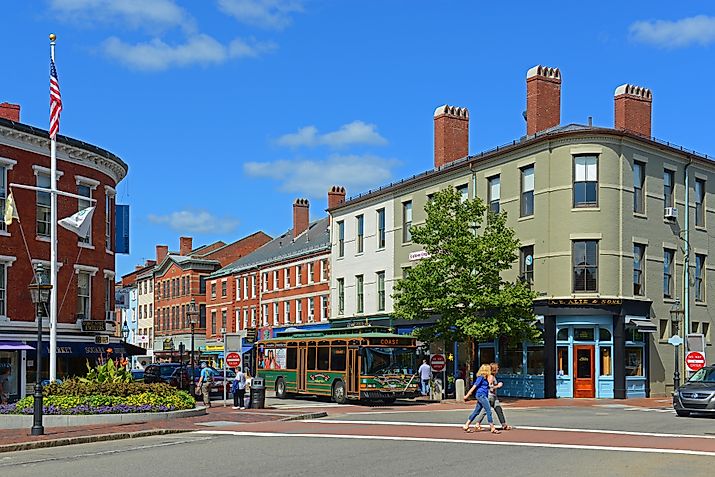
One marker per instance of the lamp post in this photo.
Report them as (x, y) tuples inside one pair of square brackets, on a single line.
[(193, 313), (40, 292), (125, 331), (675, 312)]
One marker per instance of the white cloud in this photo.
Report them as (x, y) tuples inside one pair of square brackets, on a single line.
[(132, 13), (313, 178), (356, 132), (200, 49), (699, 29), (263, 13), (195, 221)]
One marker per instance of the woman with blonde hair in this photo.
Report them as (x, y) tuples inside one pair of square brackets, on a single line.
[(480, 388)]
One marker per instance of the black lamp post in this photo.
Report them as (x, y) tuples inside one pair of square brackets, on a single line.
[(193, 313), (40, 292), (125, 331), (675, 319)]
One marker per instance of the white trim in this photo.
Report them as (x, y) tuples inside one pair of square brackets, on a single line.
[(110, 191), (640, 158), (581, 236), (45, 263), (7, 260), (641, 241), (86, 268), (8, 163), (92, 183), (109, 273), (585, 149), (45, 170), (88, 246)]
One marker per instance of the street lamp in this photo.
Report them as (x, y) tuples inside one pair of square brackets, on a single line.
[(192, 313), (675, 312), (125, 331), (40, 292)]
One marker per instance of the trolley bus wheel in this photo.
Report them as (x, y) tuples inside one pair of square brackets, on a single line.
[(280, 388), (339, 393)]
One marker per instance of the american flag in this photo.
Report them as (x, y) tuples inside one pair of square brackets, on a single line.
[(55, 101)]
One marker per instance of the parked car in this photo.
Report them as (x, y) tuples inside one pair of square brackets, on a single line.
[(138, 374), (170, 373), (697, 394), (217, 375)]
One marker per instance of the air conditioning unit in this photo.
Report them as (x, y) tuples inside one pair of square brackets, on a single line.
[(311, 319), (671, 213)]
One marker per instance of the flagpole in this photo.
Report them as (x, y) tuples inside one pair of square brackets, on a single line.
[(53, 243)]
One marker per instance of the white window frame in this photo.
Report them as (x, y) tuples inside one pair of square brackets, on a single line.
[(264, 281), (323, 270), (286, 277), (286, 309), (311, 270), (324, 312), (275, 279), (91, 185), (264, 318), (238, 288), (253, 285), (299, 311), (311, 309), (39, 206), (298, 275), (6, 262), (276, 311)]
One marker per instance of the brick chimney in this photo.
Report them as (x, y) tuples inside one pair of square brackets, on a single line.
[(10, 111), (543, 99), (451, 134), (186, 245), (336, 196), (632, 108), (161, 252), (301, 216)]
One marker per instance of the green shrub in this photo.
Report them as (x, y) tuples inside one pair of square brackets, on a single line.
[(79, 387)]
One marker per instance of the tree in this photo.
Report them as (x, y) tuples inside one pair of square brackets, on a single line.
[(461, 280)]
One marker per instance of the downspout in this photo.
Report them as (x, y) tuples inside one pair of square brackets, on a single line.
[(686, 260)]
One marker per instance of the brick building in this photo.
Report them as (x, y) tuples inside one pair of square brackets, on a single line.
[(86, 267)]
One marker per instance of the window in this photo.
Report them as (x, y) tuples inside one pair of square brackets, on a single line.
[(253, 286), (668, 181), (286, 311), (359, 283), (151, 286), (699, 203), (324, 308), (299, 274), (323, 270), (638, 254), (527, 191), (246, 323), (604, 334), (43, 206), (563, 334), (323, 357), (585, 181), (224, 288), (275, 279), (3, 192), (275, 313), (311, 270), (3, 289), (238, 289), (360, 233), (213, 290), (562, 360), (526, 264), (535, 360), (223, 319), (512, 359), (380, 291), (585, 266), (151, 310), (337, 358), (85, 191), (253, 317), (108, 221), (292, 358), (699, 273), (299, 311), (406, 221), (463, 191), (245, 288), (341, 239), (107, 295), (264, 281), (381, 228), (638, 184), (84, 295), (634, 361), (213, 322), (265, 317), (493, 192), (286, 276), (606, 362), (311, 309), (668, 256), (202, 284), (341, 296)]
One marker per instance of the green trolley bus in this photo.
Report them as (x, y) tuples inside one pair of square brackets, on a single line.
[(356, 363)]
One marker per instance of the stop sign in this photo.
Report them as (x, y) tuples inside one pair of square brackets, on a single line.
[(695, 360), (233, 360), (438, 363)]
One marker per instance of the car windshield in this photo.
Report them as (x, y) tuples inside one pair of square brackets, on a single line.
[(378, 361), (167, 371), (704, 375)]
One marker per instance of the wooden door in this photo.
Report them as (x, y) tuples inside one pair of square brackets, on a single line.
[(353, 372), (584, 383), (300, 378)]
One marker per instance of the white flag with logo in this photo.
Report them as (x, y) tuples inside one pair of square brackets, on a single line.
[(79, 223)]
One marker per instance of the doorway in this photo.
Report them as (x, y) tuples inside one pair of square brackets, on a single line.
[(301, 384), (584, 385)]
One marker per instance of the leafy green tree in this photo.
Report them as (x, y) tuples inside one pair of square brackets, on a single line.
[(461, 281)]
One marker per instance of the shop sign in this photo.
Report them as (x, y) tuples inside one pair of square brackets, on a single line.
[(419, 255), (94, 326), (585, 301), (251, 334), (695, 360), (168, 344), (214, 347), (101, 340)]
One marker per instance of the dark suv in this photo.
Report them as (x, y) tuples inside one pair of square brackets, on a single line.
[(697, 394), (172, 374)]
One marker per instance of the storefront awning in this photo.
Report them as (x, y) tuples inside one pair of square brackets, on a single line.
[(14, 345), (641, 324), (78, 349)]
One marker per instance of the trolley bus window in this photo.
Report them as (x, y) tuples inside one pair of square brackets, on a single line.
[(324, 357), (311, 357), (388, 361), (292, 358), (337, 358)]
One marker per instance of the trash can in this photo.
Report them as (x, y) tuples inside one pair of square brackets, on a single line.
[(258, 393)]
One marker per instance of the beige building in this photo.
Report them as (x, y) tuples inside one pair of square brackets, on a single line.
[(601, 214)]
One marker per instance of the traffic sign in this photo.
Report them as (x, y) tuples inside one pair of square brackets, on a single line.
[(695, 360), (675, 340), (233, 360), (438, 363)]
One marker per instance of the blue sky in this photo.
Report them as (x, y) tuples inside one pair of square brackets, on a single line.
[(228, 110)]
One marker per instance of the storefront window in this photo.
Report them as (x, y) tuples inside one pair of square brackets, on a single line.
[(512, 360), (563, 334), (535, 360), (604, 334), (605, 361), (634, 361), (583, 334), (562, 360), (634, 335), (9, 361), (486, 355)]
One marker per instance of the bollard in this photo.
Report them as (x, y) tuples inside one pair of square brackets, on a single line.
[(459, 387)]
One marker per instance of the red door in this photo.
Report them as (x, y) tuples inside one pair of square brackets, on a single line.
[(584, 383)]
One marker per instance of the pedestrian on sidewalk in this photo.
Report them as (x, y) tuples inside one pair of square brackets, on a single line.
[(494, 401), (425, 372), (238, 388), (249, 380), (481, 393), (204, 385)]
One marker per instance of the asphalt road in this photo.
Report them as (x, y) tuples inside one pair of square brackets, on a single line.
[(384, 442)]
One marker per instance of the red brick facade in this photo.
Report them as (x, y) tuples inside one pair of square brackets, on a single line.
[(632, 109), (543, 99), (451, 134)]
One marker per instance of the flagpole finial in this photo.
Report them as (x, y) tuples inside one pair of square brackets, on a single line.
[(53, 37)]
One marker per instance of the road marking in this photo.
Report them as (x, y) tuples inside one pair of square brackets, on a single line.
[(528, 428), (465, 409), (646, 450)]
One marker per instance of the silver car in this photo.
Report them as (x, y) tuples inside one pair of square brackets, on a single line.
[(696, 395)]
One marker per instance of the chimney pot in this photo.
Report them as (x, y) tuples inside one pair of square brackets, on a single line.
[(185, 246), (543, 99), (301, 216), (161, 252), (451, 134), (10, 111), (336, 196), (632, 109)]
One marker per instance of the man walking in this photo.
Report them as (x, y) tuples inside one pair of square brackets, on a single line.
[(425, 372), (205, 384), (238, 388)]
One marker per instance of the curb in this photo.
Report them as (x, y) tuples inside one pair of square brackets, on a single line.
[(300, 417), (86, 439)]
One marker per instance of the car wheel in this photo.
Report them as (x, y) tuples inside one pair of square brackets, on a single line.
[(280, 388), (339, 393), (682, 413)]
